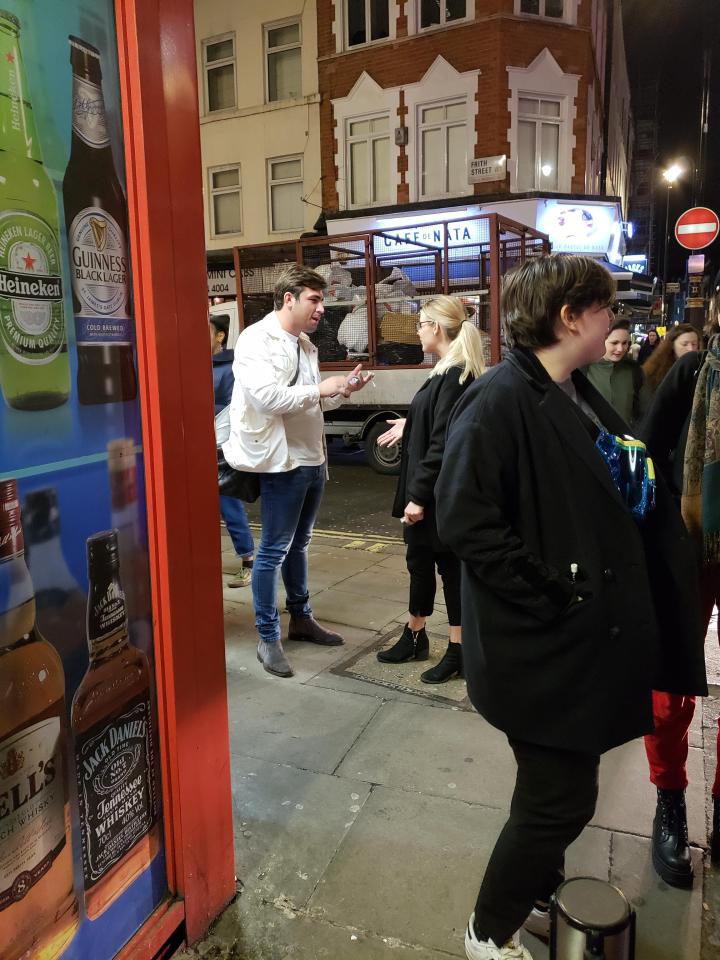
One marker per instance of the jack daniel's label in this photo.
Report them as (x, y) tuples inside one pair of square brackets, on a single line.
[(32, 807), (32, 322), (117, 796), (99, 263)]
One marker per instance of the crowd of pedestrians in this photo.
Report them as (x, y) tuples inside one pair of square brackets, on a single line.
[(577, 598)]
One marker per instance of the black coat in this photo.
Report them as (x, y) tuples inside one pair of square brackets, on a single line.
[(422, 452), (223, 379), (524, 493)]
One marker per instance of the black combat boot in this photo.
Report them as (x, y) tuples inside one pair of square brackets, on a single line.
[(450, 666), (715, 841), (670, 850), (412, 645)]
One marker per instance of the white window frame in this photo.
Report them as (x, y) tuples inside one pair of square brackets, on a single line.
[(267, 27), (545, 78), (274, 183), (442, 83), (419, 28), (378, 115), (206, 67), (340, 26), (569, 12), (366, 99), (444, 124), (219, 191), (538, 121)]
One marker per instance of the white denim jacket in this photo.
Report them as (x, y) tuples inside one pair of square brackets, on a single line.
[(265, 363)]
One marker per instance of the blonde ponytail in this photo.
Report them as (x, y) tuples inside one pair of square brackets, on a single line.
[(466, 349)]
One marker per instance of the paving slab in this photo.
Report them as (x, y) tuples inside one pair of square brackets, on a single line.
[(285, 722), (627, 798), (288, 826), (380, 582), (338, 606), (444, 753)]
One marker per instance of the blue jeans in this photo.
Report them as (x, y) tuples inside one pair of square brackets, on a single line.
[(289, 504), (236, 521)]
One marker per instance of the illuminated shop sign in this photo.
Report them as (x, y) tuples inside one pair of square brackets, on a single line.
[(573, 227)]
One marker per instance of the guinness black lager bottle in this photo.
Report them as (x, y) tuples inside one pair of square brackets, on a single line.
[(96, 219)]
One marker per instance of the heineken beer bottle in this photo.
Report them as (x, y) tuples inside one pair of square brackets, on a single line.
[(34, 369), (96, 220)]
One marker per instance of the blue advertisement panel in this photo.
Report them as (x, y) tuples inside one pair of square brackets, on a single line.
[(81, 849)]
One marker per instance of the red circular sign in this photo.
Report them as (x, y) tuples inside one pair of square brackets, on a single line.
[(696, 228)]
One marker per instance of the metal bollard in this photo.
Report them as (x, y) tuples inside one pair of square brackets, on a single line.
[(591, 919)]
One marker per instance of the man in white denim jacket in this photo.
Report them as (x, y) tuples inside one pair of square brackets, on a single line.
[(276, 431)]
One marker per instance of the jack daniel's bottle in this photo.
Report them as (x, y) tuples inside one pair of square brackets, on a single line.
[(38, 907), (114, 745), (34, 367), (96, 220)]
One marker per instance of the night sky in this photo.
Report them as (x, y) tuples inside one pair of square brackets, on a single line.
[(667, 37)]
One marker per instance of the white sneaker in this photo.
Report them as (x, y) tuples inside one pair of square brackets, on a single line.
[(486, 950)]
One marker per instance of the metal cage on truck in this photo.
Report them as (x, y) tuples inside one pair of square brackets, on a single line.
[(377, 283)]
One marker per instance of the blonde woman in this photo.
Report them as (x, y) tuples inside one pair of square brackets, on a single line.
[(444, 330)]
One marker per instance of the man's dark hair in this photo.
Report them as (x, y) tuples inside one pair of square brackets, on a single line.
[(535, 291), (294, 279), (221, 322), (619, 325)]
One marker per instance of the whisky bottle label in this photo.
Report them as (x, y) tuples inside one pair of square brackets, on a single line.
[(32, 323), (88, 113), (115, 770), (106, 611), (32, 807), (98, 254)]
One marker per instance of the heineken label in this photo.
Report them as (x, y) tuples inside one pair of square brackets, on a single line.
[(88, 113), (117, 795), (32, 322), (99, 261)]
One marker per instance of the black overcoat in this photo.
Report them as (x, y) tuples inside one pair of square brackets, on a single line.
[(422, 452), (524, 493)]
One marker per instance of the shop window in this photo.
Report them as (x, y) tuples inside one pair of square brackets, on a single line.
[(219, 68), (552, 9), (226, 200), (439, 13), (366, 20), (285, 190), (283, 61), (442, 133), (538, 153), (368, 153)]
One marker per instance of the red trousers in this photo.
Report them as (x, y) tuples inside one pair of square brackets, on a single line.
[(667, 748)]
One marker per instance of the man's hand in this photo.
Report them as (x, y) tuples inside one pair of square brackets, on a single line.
[(392, 436), (357, 380), (414, 513), (331, 386)]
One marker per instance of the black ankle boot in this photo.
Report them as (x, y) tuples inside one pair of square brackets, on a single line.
[(412, 645), (670, 850), (715, 841), (450, 666)]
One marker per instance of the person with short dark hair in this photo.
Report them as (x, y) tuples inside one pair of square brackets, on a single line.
[(577, 598), (277, 432), (231, 509), (616, 375)]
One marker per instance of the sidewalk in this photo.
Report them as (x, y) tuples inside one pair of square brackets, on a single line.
[(364, 816)]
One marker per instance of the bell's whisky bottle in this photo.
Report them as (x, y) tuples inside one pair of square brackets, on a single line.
[(34, 367), (59, 601), (38, 906), (114, 741), (96, 220)]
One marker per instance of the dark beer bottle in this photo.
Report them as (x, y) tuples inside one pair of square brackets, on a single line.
[(96, 221)]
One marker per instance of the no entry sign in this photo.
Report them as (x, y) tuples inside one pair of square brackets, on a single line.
[(696, 228)]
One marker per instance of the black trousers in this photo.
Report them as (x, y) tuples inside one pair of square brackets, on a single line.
[(554, 799), (421, 561)]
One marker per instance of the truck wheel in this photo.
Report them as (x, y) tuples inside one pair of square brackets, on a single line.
[(381, 459)]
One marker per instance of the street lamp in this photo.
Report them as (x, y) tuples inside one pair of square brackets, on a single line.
[(670, 176)]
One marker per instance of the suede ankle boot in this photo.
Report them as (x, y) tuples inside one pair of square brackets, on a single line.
[(715, 840), (412, 645), (450, 666), (670, 847)]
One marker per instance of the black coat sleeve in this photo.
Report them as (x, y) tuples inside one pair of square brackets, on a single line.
[(473, 502), (421, 483), (670, 408)]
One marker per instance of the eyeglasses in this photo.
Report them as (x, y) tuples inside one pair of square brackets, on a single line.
[(421, 323)]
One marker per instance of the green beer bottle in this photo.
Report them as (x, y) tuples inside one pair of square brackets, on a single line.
[(34, 367)]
